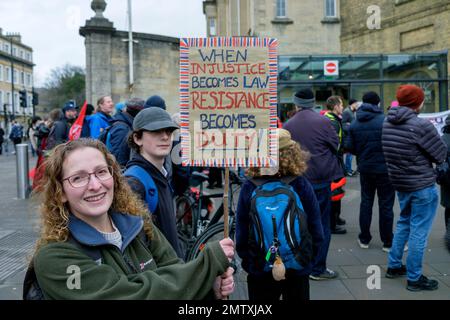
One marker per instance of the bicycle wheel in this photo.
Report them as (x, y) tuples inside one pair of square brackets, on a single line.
[(184, 216), (214, 232)]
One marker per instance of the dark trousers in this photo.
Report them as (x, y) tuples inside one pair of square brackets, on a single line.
[(447, 217), (335, 213), (323, 196), (380, 184), (215, 177), (264, 287)]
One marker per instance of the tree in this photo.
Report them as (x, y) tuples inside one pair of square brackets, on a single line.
[(66, 83)]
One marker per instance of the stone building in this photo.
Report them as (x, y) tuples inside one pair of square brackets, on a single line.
[(155, 62), (16, 74), (408, 27), (306, 26)]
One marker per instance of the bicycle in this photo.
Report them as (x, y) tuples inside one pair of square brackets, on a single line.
[(194, 209)]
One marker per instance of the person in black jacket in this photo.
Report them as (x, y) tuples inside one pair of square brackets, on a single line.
[(364, 141), (411, 145), (335, 108), (59, 133), (151, 140), (2, 133)]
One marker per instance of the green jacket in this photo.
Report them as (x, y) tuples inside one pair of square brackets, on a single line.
[(134, 272)]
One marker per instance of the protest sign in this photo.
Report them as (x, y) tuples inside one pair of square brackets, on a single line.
[(437, 119), (228, 102)]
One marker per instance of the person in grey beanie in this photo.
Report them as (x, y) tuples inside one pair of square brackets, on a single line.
[(316, 134)]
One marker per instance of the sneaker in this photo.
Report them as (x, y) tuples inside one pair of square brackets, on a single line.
[(386, 249), (392, 273), (327, 275), (422, 284), (363, 245), (339, 230), (340, 221)]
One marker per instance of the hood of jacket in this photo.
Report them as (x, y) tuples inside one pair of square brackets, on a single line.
[(124, 117), (128, 225), (367, 112), (400, 115)]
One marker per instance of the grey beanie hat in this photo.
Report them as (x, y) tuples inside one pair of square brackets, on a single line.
[(304, 99)]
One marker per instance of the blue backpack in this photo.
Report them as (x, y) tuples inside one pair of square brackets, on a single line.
[(280, 225), (151, 194)]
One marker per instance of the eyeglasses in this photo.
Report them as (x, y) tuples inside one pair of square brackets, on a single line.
[(80, 180)]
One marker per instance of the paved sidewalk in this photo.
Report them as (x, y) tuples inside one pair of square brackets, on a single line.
[(19, 224)]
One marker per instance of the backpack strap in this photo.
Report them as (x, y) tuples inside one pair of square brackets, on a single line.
[(151, 192), (262, 180)]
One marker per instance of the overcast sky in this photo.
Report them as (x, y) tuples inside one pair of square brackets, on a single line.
[(50, 27)]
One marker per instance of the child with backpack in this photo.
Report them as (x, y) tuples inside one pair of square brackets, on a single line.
[(97, 241), (278, 226)]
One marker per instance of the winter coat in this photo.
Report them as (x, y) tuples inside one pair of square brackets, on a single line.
[(348, 116), (121, 125), (411, 145), (445, 189), (364, 139), (249, 255), (59, 133), (317, 136), (98, 122), (136, 271), (164, 215)]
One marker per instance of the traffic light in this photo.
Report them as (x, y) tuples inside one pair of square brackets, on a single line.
[(23, 98), (35, 99)]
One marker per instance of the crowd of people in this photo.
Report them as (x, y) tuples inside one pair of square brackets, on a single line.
[(109, 195)]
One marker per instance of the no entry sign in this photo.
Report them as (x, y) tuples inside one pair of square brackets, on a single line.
[(331, 67)]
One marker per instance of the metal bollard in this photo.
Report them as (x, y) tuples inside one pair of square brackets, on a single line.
[(23, 183)]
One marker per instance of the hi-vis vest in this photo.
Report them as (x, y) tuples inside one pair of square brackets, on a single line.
[(337, 189), (340, 133)]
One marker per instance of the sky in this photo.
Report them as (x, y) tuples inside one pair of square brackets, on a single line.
[(51, 27)]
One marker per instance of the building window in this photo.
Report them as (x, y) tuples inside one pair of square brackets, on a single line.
[(1, 73), (212, 27), (281, 8), (21, 54), (8, 74), (330, 8), (14, 51), (1, 101), (28, 56), (16, 76), (6, 47), (22, 78), (28, 80)]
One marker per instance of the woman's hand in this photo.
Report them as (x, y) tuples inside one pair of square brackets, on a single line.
[(224, 284), (228, 248)]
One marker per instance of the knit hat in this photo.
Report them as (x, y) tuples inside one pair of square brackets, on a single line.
[(134, 105), (284, 139), (371, 98), (304, 98), (410, 96), (155, 101)]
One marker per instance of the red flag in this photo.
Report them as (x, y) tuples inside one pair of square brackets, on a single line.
[(75, 129)]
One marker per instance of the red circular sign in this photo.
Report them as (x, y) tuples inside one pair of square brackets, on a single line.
[(330, 67)]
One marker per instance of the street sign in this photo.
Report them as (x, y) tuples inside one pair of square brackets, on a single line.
[(331, 68)]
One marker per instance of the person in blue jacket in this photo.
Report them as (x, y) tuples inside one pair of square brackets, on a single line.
[(100, 120), (261, 284)]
